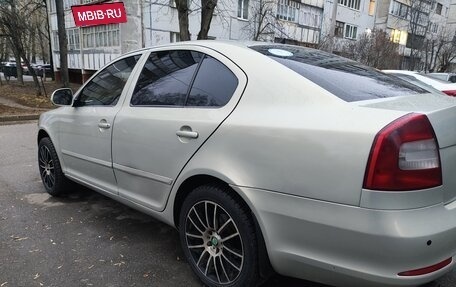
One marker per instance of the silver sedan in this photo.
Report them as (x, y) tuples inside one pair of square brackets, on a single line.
[(267, 157)]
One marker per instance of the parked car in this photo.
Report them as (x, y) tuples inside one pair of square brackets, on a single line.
[(44, 69), (25, 69), (266, 155), (449, 77), (443, 86), (9, 70)]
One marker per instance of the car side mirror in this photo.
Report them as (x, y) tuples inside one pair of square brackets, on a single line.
[(62, 97)]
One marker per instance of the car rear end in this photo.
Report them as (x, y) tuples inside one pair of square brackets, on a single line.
[(401, 230)]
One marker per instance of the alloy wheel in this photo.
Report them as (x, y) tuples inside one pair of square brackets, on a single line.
[(214, 242), (46, 167)]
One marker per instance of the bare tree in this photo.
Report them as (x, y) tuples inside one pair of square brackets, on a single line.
[(263, 22), (447, 54), (14, 16), (374, 49), (183, 12), (207, 11), (63, 43), (418, 14)]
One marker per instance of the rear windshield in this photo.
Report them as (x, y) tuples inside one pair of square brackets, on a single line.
[(347, 79)]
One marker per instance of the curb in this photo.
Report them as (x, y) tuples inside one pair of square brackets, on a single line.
[(15, 118)]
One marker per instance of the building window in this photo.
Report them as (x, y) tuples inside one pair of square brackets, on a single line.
[(438, 9), (288, 10), (354, 4), (399, 9), (243, 9), (339, 29), (52, 8), (68, 3), (415, 41), (371, 7), (433, 27), (310, 16), (73, 39), (101, 36), (55, 35), (174, 37), (350, 31), (399, 37)]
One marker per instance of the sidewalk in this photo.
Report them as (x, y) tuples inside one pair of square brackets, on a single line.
[(29, 112)]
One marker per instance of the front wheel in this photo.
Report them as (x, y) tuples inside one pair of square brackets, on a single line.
[(218, 238), (53, 179)]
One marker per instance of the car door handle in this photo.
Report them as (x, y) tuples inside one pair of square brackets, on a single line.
[(187, 134), (103, 124)]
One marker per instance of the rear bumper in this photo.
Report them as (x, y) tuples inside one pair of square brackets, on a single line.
[(352, 246)]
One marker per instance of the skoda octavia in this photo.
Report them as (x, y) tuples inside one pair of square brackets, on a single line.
[(267, 157)]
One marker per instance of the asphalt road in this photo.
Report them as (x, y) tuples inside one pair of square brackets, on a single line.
[(85, 239)]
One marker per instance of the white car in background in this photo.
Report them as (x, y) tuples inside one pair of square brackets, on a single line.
[(443, 86), (449, 77)]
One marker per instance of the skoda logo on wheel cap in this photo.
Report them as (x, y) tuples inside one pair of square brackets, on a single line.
[(214, 241)]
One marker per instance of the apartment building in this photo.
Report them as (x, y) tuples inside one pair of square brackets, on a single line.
[(302, 22), (353, 18), (155, 22), (410, 23)]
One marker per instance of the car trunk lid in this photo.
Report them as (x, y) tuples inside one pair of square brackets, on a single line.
[(441, 112)]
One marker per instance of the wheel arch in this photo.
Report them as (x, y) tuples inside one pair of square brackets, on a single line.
[(192, 182), (42, 134)]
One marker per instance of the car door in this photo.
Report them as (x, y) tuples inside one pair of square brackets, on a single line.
[(86, 127), (179, 100)]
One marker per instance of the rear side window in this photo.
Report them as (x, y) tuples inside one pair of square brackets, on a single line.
[(166, 78), (347, 79), (213, 86), (184, 78)]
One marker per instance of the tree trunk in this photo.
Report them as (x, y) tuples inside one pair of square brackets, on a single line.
[(33, 47), (42, 47), (51, 58), (182, 10), (63, 43), (207, 11), (35, 78), (17, 55)]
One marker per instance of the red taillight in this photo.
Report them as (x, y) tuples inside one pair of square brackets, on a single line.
[(450, 93), (404, 156), (426, 270)]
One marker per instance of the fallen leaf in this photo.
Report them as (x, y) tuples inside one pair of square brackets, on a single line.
[(119, 264)]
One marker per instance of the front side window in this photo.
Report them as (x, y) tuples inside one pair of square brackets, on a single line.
[(107, 86), (166, 78)]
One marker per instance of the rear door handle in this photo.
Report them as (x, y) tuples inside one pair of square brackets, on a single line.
[(187, 134), (103, 124)]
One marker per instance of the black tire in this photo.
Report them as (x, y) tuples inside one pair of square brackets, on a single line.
[(218, 262), (53, 179)]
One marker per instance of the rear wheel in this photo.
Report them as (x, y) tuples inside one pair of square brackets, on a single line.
[(218, 238), (53, 179)]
